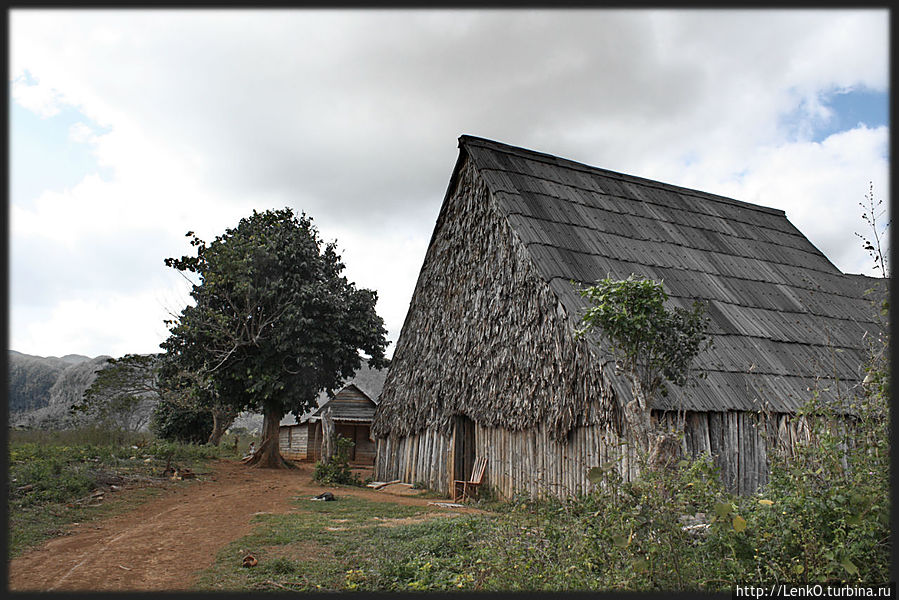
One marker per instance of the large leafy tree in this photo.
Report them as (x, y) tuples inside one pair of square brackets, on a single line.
[(274, 321), (651, 345)]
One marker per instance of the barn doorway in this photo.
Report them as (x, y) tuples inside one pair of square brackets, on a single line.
[(463, 447)]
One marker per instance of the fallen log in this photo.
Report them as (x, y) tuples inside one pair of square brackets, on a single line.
[(380, 484)]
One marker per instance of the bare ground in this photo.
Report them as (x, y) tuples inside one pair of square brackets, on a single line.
[(162, 544)]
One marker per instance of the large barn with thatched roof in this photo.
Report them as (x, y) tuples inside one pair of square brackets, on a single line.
[(488, 363)]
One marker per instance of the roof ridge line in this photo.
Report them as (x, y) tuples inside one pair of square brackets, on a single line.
[(585, 168)]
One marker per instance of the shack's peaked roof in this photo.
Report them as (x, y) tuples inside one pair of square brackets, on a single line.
[(367, 380), (360, 407), (781, 313)]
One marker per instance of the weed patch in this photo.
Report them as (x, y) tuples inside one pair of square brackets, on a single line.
[(55, 479)]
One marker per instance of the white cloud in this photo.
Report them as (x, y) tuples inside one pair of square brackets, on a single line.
[(820, 186), (201, 116), (39, 98), (81, 133), (817, 184), (385, 260), (95, 324)]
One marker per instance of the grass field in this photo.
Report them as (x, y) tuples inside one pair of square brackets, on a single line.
[(56, 479)]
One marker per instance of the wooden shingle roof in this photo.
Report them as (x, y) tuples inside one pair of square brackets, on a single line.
[(350, 404), (367, 380), (784, 319)]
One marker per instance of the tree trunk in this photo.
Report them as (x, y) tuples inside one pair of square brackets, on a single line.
[(215, 436), (268, 455), (328, 445), (222, 419), (640, 424), (658, 449)]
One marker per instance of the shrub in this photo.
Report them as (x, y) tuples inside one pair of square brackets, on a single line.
[(338, 469), (824, 515)]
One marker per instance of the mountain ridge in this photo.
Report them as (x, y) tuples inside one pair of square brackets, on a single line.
[(40, 387)]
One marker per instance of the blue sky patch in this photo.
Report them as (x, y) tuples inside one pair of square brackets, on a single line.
[(44, 157), (848, 108)]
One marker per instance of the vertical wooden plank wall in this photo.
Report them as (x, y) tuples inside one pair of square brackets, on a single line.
[(530, 462), (417, 458), (299, 441), (741, 443), (284, 440), (292, 442)]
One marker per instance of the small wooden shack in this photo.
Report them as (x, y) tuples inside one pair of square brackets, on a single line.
[(488, 363), (352, 409)]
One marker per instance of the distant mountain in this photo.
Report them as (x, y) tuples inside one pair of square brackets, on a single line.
[(74, 358), (41, 389), (31, 377)]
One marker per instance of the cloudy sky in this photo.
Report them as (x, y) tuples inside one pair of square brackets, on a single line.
[(130, 127)]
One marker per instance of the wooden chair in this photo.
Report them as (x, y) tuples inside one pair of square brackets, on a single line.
[(477, 475)]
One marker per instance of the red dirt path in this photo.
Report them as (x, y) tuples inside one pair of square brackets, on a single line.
[(160, 545)]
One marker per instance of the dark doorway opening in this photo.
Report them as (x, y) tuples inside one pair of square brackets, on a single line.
[(463, 448)]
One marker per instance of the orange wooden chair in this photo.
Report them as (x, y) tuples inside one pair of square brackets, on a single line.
[(462, 489)]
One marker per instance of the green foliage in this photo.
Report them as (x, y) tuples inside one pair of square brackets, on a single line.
[(47, 475), (192, 396), (645, 532), (338, 470), (52, 470), (824, 515), (236, 444), (316, 546), (114, 399), (442, 554), (280, 566), (177, 421), (274, 321), (671, 529), (650, 342), (91, 435)]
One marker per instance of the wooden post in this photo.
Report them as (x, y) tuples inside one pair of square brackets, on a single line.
[(328, 442)]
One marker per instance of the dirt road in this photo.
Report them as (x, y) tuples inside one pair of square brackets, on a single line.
[(160, 545)]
